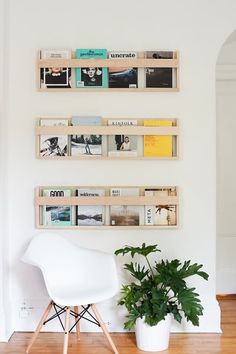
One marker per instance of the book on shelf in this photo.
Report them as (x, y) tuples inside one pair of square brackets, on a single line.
[(158, 145), (53, 145), (163, 215), (123, 77), (91, 77), (122, 145), (57, 215), (82, 144), (124, 215), (55, 77), (90, 215), (159, 77)]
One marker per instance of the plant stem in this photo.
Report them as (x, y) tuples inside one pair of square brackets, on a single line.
[(149, 266)]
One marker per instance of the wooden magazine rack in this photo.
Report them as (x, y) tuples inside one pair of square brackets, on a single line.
[(140, 62), (172, 199), (105, 130)]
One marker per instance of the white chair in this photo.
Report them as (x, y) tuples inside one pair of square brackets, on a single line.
[(74, 276)]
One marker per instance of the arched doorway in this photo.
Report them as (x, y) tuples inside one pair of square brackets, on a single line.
[(226, 167)]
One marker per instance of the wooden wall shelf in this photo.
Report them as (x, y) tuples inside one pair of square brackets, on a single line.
[(138, 130), (163, 197), (140, 62)]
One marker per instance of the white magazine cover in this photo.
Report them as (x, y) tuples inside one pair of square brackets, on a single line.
[(55, 77), (125, 215), (162, 215), (122, 145), (90, 215), (53, 145)]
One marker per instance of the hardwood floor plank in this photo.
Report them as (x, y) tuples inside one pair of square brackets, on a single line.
[(96, 343)]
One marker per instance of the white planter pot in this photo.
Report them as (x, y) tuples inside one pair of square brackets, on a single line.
[(155, 338)]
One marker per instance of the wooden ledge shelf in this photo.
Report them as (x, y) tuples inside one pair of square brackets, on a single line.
[(109, 227), (107, 63), (164, 197), (140, 62), (102, 89), (106, 130), (139, 131), (107, 200)]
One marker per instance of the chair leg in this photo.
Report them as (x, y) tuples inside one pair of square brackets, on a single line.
[(76, 308), (105, 331), (40, 325), (66, 337)]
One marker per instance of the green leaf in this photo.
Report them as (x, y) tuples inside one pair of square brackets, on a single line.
[(190, 304), (136, 271), (144, 250)]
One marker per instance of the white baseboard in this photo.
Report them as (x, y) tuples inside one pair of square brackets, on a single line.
[(4, 337)]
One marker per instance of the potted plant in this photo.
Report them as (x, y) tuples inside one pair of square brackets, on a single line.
[(157, 292)]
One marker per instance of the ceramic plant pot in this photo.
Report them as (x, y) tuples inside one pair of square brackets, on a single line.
[(155, 338)]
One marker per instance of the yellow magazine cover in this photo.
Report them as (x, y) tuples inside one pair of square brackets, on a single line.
[(157, 145)]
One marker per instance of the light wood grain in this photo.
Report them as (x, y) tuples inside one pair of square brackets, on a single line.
[(139, 200), (106, 63), (106, 130), (105, 89), (95, 343)]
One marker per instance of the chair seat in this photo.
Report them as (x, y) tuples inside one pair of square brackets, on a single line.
[(81, 297)]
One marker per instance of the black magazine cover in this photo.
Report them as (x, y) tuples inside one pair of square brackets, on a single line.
[(159, 77)]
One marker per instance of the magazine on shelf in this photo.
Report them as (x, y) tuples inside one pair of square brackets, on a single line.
[(89, 145), (53, 145), (158, 145), (123, 77), (55, 77), (163, 215), (90, 215), (124, 215), (159, 77), (122, 145), (57, 215), (91, 77)]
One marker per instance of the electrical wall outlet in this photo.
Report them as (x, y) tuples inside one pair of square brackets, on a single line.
[(25, 310), (23, 313)]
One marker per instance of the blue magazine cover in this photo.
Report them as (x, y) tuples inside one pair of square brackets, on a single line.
[(81, 144), (91, 77)]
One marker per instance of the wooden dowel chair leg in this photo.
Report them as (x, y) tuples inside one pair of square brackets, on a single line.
[(40, 325), (76, 308), (66, 337), (105, 331)]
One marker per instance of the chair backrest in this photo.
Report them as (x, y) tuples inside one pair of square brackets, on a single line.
[(66, 266)]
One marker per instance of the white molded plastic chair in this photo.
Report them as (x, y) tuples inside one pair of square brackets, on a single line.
[(74, 276)]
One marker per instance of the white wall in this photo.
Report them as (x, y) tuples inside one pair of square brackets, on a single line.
[(226, 171), (4, 239), (129, 25)]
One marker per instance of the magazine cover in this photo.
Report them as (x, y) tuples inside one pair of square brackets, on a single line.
[(124, 77), (122, 145), (51, 145), (158, 145), (58, 215), (90, 215), (159, 77), (91, 77), (160, 214), (86, 144), (55, 77), (124, 215)]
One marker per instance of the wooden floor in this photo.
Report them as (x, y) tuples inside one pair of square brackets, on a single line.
[(52, 343)]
